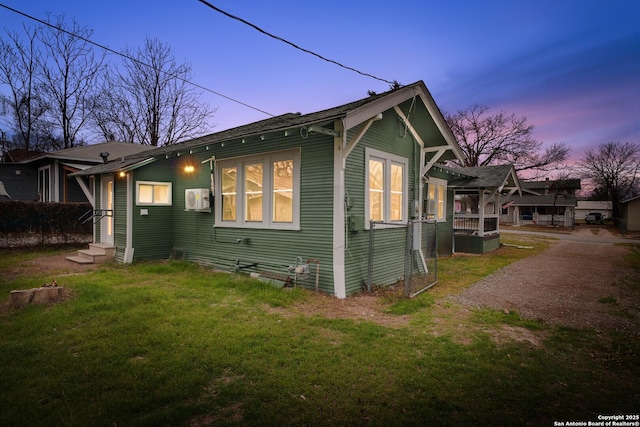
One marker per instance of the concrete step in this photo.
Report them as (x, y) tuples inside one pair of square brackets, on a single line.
[(79, 259), (97, 253)]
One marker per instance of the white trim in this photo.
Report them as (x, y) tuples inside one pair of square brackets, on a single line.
[(128, 248), (85, 190), (41, 197), (439, 183), (339, 234), (167, 184), (267, 160), (388, 159), (94, 227), (107, 222)]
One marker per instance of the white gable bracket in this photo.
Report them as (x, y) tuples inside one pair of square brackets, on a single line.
[(434, 159), (85, 190), (350, 145)]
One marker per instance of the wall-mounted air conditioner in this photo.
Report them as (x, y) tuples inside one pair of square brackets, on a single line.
[(196, 199)]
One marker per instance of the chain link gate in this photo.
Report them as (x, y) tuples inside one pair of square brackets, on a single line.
[(405, 253)]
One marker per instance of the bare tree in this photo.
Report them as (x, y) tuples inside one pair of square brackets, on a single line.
[(501, 138), (69, 74), (613, 168), (19, 71), (151, 102)]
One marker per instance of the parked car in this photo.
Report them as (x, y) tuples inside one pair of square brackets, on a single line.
[(595, 218)]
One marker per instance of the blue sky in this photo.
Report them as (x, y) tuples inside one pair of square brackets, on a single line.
[(572, 67)]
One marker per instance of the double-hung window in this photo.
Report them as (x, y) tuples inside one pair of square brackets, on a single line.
[(259, 191), (436, 200), (386, 182)]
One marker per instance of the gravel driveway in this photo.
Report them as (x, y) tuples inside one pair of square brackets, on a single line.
[(576, 284)]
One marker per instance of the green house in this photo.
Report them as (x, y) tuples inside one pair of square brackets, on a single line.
[(274, 196)]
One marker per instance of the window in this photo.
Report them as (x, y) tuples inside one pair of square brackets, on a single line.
[(153, 193), (436, 206), (44, 184), (229, 193), (386, 187), (259, 191)]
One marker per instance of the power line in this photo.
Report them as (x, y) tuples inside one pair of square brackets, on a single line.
[(130, 58), (237, 18)]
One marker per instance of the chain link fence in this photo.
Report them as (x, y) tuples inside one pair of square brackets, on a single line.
[(403, 254)]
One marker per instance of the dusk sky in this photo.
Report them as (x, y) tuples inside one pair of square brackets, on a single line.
[(572, 67)]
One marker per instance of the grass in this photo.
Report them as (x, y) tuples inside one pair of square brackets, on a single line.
[(172, 344), (458, 272)]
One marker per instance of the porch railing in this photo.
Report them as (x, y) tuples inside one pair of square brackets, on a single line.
[(95, 215), (472, 224)]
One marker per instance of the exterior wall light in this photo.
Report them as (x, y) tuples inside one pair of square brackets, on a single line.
[(122, 174), (189, 169)]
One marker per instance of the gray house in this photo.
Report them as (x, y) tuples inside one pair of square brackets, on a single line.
[(545, 202), (271, 195), (46, 177)]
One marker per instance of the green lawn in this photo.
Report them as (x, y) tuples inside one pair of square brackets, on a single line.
[(172, 344)]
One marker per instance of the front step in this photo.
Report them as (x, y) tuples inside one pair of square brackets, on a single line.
[(96, 254)]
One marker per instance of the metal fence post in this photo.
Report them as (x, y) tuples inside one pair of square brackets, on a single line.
[(371, 246), (408, 259)]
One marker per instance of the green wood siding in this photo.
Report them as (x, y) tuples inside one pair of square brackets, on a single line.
[(168, 228), (389, 136), (152, 236), (477, 244)]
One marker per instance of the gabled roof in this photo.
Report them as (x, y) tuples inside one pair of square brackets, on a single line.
[(476, 178), (352, 114), (91, 153)]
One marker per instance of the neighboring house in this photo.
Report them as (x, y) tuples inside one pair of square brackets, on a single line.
[(585, 207), (294, 187), (630, 220), (45, 177), (480, 192), (543, 202)]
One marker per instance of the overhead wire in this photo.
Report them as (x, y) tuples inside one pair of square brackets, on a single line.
[(237, 18), (130, 58)]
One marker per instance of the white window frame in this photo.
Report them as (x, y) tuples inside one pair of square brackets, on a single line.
[(45, 184), (431, 209), (169, 186), (388, 159), (267, 160)]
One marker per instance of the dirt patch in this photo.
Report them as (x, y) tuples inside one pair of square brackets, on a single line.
[(51, 265), (370, 307)]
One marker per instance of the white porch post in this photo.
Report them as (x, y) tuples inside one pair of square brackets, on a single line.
[(128, 250), (481, 213)]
